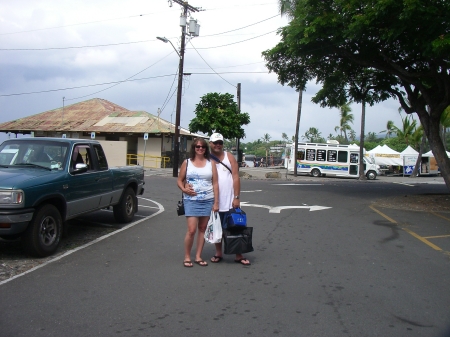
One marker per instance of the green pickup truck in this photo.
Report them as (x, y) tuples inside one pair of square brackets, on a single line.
[(46, 181)]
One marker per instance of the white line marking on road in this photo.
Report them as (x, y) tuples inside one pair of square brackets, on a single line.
[(403, 184), (293, 184), (161, 209), (278, 209), (251, 191)]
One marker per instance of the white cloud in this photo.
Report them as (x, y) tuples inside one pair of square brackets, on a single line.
[(29, 24)]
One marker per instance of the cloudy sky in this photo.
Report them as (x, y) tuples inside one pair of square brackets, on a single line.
[(64, 52)]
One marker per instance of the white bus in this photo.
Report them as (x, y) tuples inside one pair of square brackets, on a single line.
[(318, 159)]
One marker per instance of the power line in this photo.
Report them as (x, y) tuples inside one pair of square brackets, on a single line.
[(229, 44), (118, 82), (76, 47), (210, 66), (76, 24), (83, 86), (124, 43)]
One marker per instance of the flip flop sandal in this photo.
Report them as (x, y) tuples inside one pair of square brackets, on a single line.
[(241, 261), (202, 263), (216, 258), (188, 264)]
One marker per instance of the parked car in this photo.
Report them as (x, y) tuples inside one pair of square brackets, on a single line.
[(52, 180)]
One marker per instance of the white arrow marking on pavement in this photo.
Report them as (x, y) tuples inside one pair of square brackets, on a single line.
[(278, 209)]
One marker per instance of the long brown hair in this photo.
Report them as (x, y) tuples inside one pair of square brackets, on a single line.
[(194, 143)]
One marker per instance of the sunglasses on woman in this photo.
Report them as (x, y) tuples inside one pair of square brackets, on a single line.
[(200, 147)]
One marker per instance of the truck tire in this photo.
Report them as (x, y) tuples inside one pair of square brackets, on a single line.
[(316, 173), (125, 209), (371, 175), (42, 236)]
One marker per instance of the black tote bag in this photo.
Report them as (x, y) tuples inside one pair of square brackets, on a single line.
[(238, 242)]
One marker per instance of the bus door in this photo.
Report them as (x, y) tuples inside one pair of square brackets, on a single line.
[(354, 163)]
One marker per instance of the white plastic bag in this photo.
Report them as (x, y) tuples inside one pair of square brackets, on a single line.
[(213, 233)]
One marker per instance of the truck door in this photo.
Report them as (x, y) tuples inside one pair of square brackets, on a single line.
[(83, 193), (354, 163)]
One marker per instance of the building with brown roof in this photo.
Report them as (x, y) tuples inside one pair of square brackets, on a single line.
[(105, 121)]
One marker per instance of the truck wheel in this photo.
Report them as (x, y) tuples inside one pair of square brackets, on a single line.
[(315, 173), (125, 209), (42, 236), (371, 175)]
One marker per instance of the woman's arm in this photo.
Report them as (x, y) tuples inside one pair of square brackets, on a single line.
[(215, 183), (182, 176)]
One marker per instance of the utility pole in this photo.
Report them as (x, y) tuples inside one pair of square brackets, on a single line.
[(297, 126), (239, 156), (186, 8)]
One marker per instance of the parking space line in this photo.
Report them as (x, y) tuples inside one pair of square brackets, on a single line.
[(441, 216), (437, 237), (417, 236)]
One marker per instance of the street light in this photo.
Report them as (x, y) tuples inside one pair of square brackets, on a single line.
[(176, 147), (165, 40)]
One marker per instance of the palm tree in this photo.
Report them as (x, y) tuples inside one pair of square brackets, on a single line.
[(407, 130), (372, 137), (389, 129), (313, 135), (352, 135), (345, 120), (266, 139)]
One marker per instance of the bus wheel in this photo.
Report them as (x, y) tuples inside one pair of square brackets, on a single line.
[(315, 173), (371, 175)]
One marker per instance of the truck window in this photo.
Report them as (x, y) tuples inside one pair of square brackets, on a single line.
[(342, 156), (81, 155), (332, 154), (101, 158), (321, 155), (310, 154)]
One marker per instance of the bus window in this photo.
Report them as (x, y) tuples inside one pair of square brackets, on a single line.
[(342, 156), (354, 158), (301, 154), (321, 155), (332, 155), (310, 154)]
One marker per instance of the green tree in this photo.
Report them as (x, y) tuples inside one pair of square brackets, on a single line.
[(345, 119), (219, 113), (408, 127), (352, 135), (285, 137), (387, 36), (389, 129), (372, 137), (313, 135), (445, 124)]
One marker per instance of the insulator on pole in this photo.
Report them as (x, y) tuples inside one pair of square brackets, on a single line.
[(182, 21), (192, 23)]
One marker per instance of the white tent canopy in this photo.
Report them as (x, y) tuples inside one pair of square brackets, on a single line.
[(430, 154), (409, 151), (384, 155)]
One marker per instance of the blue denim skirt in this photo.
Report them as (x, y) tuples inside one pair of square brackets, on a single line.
[(198, 207)]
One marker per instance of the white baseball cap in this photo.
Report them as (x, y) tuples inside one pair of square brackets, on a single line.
[(215, 137)]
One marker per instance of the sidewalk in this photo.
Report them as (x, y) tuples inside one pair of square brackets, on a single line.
[(279, 173)]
